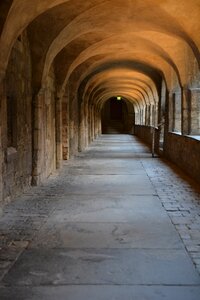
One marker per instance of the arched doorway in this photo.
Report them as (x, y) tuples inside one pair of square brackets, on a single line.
[(115, 117)]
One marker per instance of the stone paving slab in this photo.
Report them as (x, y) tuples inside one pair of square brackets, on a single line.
[(102, 266), (9, 255), (108, 208), (88, 231), (104, 166), (114, 221), (117, 155), (180, 196), (108, 184), (116, 148), (103, 292), (142, 234)]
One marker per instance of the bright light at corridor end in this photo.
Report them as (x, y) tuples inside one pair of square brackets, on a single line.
[(119, 98)]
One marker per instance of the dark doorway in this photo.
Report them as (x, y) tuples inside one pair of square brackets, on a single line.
[(114, 116), (116, 109)]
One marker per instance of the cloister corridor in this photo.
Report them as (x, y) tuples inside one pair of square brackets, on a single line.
[(99, 150), (114, 224)]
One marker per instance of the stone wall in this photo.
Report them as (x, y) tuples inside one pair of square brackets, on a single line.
[(73, 126), (49, 123), (17, 120), (2, 94), (44, 131), (146, 134), (184, 151), (65, 128), (28, 139)]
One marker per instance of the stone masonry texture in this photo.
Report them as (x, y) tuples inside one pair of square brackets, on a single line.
[(112, 211)]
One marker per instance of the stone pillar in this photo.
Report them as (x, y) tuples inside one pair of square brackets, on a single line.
[(194, 110), (71, 130), (146, 110), (2, 97), (58, 118), (142, 116), (167, 120), (99, 121), (86, 117), (92, 122), (65, 127), (186, 111), (90, 127), (100, 124), (92, 112), (89, 124), (38, 138), (136, 118), (170, 111), (1, 168), (96, 123), (81, 142), (73, 126), (76, 126), (3, 133)]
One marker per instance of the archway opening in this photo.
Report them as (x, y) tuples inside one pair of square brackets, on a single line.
[(114, 116)]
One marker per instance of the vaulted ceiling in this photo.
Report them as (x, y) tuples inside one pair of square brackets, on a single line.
[(106, 48)]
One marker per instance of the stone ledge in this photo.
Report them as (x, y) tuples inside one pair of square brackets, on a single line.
[(195, 137)]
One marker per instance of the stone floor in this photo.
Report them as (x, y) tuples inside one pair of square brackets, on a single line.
[(114, 224)]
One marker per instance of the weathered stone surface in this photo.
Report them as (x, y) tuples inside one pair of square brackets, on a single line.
[(184, 151), (181, 199), (101, 293), (62, 66), (17, 144), (105, 244)]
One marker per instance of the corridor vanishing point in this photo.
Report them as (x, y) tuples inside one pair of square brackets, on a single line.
[(89, 90)]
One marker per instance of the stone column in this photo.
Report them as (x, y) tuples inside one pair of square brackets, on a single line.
[(194, 110), (71, 130), (38, 138), (81, 143), (92, 122), (86, 128), (167, 120), (186, 111), (1, 168), (65, 127), (89, 125), (3, 133), (142, 116), (76, 126), (58, 118), (2, 97), (170, 111), (100, 124), (96, 123), (146, 110)]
